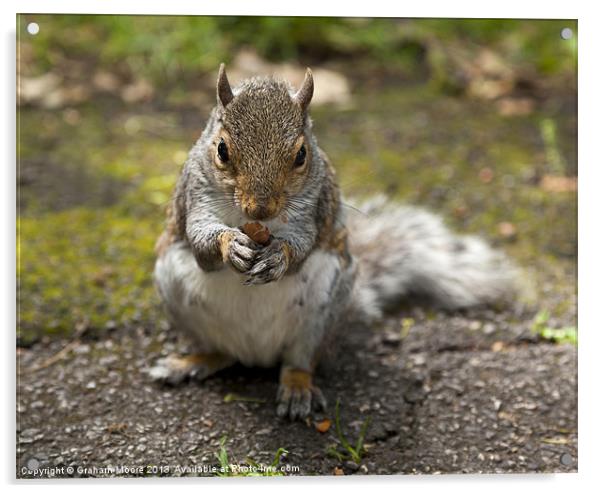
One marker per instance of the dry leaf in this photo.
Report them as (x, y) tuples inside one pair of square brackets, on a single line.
[(338, 471), (140, 90), (507, 417), (334, 86), (507, 230), (515, 106), (33, 89), (497, 346), (106, 81), (555, 441), (556, 184), (323, 426), (490, 89), (116, 427), (486, 175), (460, 211)]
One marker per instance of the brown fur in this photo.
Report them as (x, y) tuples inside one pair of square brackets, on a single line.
[(296, 379), (332, 233), (224, 243), (271, 148), (169, 234)]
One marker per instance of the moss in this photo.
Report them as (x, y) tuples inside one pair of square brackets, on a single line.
[(84, 266), (84, 259)]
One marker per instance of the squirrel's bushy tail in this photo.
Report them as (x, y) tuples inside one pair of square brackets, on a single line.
[(403, 250)]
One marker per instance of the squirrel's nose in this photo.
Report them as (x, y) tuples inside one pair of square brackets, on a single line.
[(260, 210)]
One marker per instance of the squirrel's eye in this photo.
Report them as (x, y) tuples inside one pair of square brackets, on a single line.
[(300, 159), (222, 151)]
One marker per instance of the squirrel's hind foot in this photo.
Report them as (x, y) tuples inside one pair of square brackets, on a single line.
[(174, 369), (297, 395)]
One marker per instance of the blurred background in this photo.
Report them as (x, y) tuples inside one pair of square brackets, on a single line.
[(474, 119)]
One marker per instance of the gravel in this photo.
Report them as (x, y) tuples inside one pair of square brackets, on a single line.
[(475, 392)]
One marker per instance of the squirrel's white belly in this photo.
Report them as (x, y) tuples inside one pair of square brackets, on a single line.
[(250, 323)]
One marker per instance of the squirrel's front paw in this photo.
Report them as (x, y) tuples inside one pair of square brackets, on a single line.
[(270, 264), (297, 395), (238, 250)]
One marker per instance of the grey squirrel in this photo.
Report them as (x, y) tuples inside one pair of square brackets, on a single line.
[(237, 299)]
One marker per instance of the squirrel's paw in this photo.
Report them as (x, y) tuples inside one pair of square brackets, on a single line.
[(270, 264), (297, 395), (239, 250), (174, 369)]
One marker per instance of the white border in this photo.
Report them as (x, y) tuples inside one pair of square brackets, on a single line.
[(590, 183), (377, 8)]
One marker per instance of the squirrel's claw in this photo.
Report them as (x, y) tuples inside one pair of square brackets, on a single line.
[(295, 404), (297, 396), (318, 400), (270, 265), (263, 277), (241, 252)]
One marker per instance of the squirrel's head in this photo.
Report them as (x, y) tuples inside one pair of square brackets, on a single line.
[(261, 149)]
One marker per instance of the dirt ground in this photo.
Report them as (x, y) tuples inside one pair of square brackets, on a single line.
[(475, 392)]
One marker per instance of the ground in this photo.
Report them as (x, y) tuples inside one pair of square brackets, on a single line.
[(448, 393), (427, 391)]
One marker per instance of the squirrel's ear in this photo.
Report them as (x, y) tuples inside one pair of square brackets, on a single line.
[(305, 93), (224, 91)]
